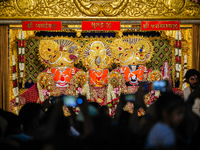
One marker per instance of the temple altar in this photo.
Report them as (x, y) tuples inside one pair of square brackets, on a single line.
[(99, 67)]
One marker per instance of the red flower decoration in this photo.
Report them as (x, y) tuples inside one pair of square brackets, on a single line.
[(13, 69), (23, 58), (15, 83), (19, 43), (19, 58), (23, 43)]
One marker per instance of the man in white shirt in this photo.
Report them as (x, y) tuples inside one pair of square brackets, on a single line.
[(192, 78)]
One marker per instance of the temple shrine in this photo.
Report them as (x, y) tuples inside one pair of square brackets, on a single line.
[(96, 48)]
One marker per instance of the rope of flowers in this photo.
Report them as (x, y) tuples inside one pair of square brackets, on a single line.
[(177, 59), (21, 54), (184, 72)]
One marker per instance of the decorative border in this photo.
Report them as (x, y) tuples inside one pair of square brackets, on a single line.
[(83, 9)]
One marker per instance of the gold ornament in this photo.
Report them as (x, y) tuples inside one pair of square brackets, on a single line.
[(112, 10), (59, 52), (47, 48), (97, 55), (118, 47), (155, 75), (44, 79), (101, 7), (114, 78), (80, 78), (131, 50)]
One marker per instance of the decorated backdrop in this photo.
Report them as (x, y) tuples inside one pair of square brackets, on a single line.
[(33, 66)]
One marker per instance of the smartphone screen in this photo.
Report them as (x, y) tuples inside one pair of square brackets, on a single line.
[(159, 85), (70, 101), (130, 97)]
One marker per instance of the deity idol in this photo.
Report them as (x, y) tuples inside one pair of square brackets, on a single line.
[(132, 53), (59, 55), (97, 58)]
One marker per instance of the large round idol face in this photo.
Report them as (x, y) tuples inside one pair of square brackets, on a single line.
[(47, 49), (60, 52), (127, 57), (97, 55)]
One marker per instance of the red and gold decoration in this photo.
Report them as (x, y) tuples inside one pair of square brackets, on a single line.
[(159, 25), (178, 54), (101, 25), (97, 57), (44, 85), (131, 54), (59, 55), (21, 54), (155, 75), (133, 50), (114, 88), (42, 25)]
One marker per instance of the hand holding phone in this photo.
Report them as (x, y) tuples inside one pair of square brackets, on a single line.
[(159, 85), (70, 101), (129, 97)]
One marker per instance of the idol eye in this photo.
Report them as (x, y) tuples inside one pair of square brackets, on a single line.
[(50, 56)]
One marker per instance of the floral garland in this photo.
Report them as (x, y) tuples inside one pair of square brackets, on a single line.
[(44, 81), (80, 79), (21, 60), (184, 72), (114, 87), (21, 53), (151, 97), (86, 88), (14, 80), (178, 52)]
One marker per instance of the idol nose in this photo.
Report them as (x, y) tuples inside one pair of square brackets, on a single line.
[(98, 60)]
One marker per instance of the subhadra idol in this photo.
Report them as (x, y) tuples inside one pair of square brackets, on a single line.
[(60, 56), (97, 59)]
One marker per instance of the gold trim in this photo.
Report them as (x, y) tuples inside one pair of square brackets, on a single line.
[(87, 10)]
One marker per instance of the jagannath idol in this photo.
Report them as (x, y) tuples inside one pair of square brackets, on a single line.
[(59, 56)]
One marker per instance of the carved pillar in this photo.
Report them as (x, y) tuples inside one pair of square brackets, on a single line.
[(4, 65)]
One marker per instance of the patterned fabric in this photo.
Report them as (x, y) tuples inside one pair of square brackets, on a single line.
[(31, 95), (33, 65), (98, 94), (162, 53)]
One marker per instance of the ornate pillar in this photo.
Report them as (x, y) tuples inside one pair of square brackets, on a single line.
[(4, 65)]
